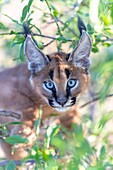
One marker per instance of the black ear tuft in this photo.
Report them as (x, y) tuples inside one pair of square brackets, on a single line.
[(81, 26), (27, 31)]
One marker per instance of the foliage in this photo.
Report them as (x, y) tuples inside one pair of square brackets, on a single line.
[(72, 150)]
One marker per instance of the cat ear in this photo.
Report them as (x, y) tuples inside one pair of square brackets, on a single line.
[(36, 58), (80, 55)]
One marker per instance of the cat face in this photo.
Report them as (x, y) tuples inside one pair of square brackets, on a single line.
[(59, 78)]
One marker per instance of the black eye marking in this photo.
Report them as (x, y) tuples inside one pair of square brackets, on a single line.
[(70, 84), (67, 73), (51, 74), (48, 58), (67, 58)]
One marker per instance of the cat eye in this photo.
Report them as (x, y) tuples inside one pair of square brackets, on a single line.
[(49, 85), (72, 82)]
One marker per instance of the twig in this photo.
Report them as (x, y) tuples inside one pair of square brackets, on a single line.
[(67, 27), (10, 114), (34, 34), (54, 18), (22, 33), (107, 39), (45, 36), (94, 100), (12, 33), (48, 43)]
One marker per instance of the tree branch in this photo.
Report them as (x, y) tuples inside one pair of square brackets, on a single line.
[(107, 39), (34, 34), (94, 100), (54, 18), (58, 20), (48, 43)]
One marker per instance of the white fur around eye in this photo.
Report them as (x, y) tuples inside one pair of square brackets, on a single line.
[(47, 86), (72, 83)]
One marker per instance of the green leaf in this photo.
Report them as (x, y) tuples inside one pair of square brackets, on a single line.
[(12, 32), (10, 166), (13, 123), (24, 13), (2, 25), (62, 39), (105, 118), (95, 48), (102, 153), (13, 20), (15, 139), (22, 57), (29, 4), (36, 125), (26, 10), (18, 40), (106, 88), (37, 29)]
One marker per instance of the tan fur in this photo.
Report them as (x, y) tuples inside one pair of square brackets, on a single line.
[(24, 94)]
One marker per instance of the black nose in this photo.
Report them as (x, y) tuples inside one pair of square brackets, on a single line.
[(62, 100)]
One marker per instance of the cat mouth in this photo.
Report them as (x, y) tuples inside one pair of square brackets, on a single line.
[(68, 104)]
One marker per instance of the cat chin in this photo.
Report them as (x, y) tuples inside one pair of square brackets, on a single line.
[(62, 109)]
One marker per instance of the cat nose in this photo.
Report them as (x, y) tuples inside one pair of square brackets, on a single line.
[(62, 100)]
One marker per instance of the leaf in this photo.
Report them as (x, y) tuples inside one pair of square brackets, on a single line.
[(22, 58), (29, 4), (95, 48), (12, 32), (24, 13), (102, 153), (10, 166), (62, 39), (13, 123), (2, 25), (15, 139), (13, 20), (36, 125), (105, 118), (106, 88), (26, 10), (37, 29), (18, 40)]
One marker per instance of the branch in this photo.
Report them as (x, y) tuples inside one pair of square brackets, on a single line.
[(48, 43), (23, 33), (94, 100), (67, 27), (58, 20), (107, 39), (53, 18), (10, 114), (34, 34)]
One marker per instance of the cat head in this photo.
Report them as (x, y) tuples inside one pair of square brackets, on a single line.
[(59, 78)]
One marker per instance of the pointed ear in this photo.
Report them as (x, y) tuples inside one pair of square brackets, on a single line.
[(80, 55), (36, 58)]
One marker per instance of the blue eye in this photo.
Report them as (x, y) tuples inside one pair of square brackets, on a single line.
[(49, 85), (72, 82)]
